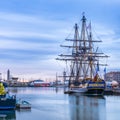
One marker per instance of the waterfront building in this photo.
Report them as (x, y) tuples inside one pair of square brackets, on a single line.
[(38, 83), (14, 80), (113, 76)]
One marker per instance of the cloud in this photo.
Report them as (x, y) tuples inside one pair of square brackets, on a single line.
[(28, 27), (28, 50), (30, 37), (109, 46)]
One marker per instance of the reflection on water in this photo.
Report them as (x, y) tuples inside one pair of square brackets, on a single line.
[(35, 90), (87, 107), (52, 104), (23, 110), (7, 115)]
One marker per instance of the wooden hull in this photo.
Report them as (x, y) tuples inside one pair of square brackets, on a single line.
[(90, 88)]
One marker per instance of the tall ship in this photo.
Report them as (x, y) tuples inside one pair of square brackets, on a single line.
[(83, 61)]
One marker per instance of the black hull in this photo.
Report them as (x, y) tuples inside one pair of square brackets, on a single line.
[(95, 92), (6, 103), (86, 91)]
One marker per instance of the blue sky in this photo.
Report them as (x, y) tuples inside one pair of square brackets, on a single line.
[(31, 32)]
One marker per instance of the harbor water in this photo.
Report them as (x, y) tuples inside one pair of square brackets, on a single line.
[(50, 103)]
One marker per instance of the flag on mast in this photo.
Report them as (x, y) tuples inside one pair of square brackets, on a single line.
[(105, 73), (97, 69)]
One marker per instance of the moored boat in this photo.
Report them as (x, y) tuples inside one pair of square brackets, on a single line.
[(6, 101), (21, 104)]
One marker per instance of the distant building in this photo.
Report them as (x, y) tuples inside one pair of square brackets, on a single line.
[(8, 75), (14, 80), (112, 76)]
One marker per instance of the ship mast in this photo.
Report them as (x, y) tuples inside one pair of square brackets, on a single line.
[(75, 53), (83, 45)]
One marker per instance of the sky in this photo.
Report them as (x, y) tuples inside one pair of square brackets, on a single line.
[(31, 32)]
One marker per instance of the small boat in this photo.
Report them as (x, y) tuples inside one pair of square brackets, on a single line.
[(6, 101), (39, 83), (22, 104), (82, 61)]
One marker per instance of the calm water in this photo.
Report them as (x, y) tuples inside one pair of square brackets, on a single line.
[(52, 104)]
